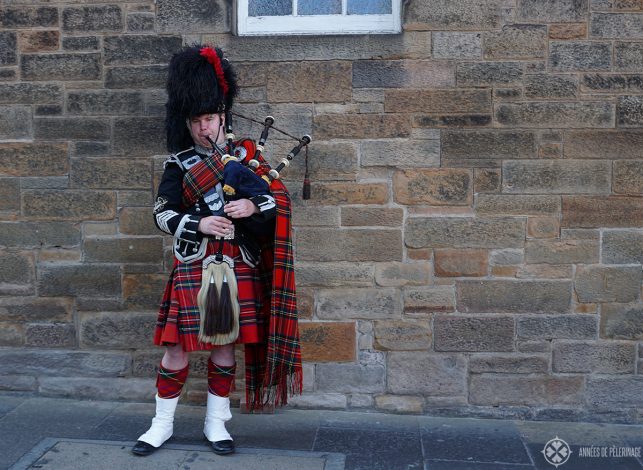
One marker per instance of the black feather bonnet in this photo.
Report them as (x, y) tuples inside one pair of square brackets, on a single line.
[(200, 81)]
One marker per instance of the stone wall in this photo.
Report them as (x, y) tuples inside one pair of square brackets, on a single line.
[(474, 241)]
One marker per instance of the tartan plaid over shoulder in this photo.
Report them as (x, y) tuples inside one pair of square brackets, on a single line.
[(273, 368)]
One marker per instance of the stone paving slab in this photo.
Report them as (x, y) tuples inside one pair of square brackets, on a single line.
[(78, 454)]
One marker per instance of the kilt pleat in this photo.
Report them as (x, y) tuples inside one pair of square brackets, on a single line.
[(179, 317)]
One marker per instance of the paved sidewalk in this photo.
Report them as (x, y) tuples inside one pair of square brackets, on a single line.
[(49, 433)]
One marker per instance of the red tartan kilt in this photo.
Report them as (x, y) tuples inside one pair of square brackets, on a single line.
[(179, 318)]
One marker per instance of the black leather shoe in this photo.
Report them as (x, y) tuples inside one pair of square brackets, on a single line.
[(143, 448), (223, 447)]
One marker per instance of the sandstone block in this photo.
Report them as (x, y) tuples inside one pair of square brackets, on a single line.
[(519, 41), (57, 335), (402, 335), (612, 83), (482, 148), (437, 101), (361, 126), (507, 257), (140, 22), (349, 193), (116, 330), (17, 273), (116, 389), (508, 364), (375, 216), (485, 74), (188, 16), (435, 187), (429, 299), (89, 280), (455, 45), (428, 374), (38, 41), (547, 327), (401, 274), (124, 250), (597, 283), (450, 15), (22, 309), (399, 404), (111, 173), (326, 244), (594, 357), (610, 392), (462, 334), (446, 121), (28, 17), (72, 128), (20, 383), (460, 262), (464, 232), (30, 93), (92, 18), (513, 296), (81, 43), (327, 341), (32, 234), (140, 135), (146, 76), (611, 211), (487, 180), (350, 378), (99, 102), (628, 56), (616, 25), (8, 48), (15, 122), (325, 82), (516, 204), (140, 49), (331, 401), (143, 290), (326, 162), (629, 111), (12, 334), (136, 221), (46, 67), (402, 74), (579, 56), (568, 31), (341, 304), (9, 194), (543, 227), (542, 390), (613, 144), (68, 205), (548, 86), (414, 154), (558, 114), (315, 216), (51, 362), (622, 247), (622, 321), (562, 251), (551, 11)]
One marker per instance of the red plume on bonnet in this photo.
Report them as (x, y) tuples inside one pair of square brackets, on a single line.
[(212, 57)]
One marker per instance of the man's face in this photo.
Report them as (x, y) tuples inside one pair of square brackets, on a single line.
[(207, 125)]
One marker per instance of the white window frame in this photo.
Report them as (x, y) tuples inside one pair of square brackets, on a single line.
[(316, 24)]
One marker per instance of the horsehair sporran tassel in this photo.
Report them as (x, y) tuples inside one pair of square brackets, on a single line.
[(219, 310)]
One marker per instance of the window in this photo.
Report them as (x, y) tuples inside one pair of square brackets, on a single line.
[(271, 17)]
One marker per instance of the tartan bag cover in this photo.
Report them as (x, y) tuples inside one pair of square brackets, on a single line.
[(273, 368)]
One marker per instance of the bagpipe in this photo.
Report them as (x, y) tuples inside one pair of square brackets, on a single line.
[(244, 176)]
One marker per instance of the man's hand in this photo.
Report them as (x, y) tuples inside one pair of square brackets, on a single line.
[(215, 225), (240, 208)]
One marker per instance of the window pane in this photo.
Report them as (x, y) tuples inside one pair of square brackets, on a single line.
[(369, 7), (269, 7), (319, 7)]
